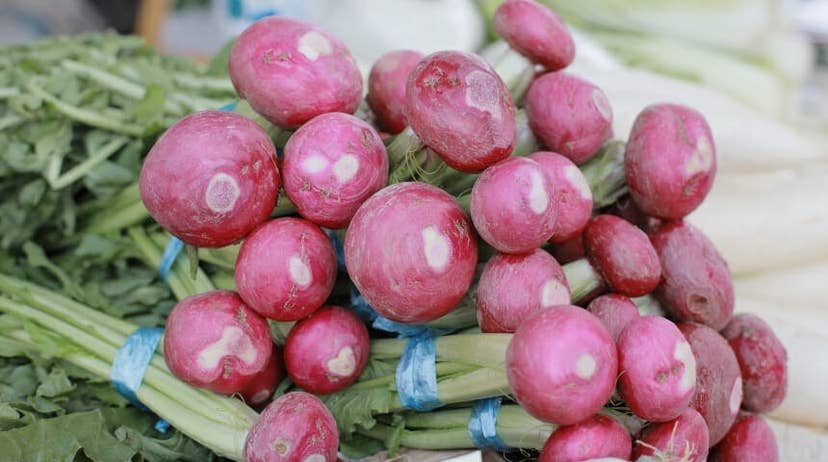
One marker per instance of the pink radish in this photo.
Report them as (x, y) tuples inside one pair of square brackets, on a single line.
[(569, 115), (386, 88), (684, 438), (327, 351), (657, 369), (259, 390), (286, 269), (535, 32), (561, 365), (750, 438), (461, 109), (291, 71), (670, 160), (296, 427), (214, 341), (411, 252), (574, 195), (615, 312), (599, 436), (762, 361), (696, 284), (623, 255), (568, 251), (331, 165), (514, 205), (513, 288), (210, 178), (718, 394)]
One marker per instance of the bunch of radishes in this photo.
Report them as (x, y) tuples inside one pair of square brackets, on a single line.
[(412, 249)]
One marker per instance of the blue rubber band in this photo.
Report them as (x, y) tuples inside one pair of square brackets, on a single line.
[(130, 365), (174, 247), (338, 246), (229, 106), (416, 376), (368, 315), (483, 425)]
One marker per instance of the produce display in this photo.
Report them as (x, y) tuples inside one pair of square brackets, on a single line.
[(463, 251)]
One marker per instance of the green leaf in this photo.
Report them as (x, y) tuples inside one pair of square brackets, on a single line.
[(150, 110), (55, 384)]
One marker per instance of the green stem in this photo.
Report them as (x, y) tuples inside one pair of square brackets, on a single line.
[(582, 279), (196, 82), (10, 121), (487, 350), (102, 223), (605, 174), (402, 146), (8, 92), (649, 305), (89, 163)]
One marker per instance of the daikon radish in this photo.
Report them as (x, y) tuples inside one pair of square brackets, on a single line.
[(799, 443), (803, 286)]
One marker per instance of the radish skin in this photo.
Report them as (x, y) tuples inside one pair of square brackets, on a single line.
[(599, 436), (750, 438), (574, 195), (535, 32), (615, 312), (682, 439), (260, 389), (386, 88)]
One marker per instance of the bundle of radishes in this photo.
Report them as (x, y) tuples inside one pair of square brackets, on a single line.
[(491, 180)]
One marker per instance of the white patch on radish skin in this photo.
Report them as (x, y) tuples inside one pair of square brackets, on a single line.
[(576, 179), (482, 92), (736, 396), (436, 248), (599, 100), (538, 199), (314, 164), (233, 342), (345, 168), (343, 364), (585, 366), (222, 193), (684, 354), (702, 158), (553, 293), (300, 273), (314, 458), (259, 397), (313, 45)]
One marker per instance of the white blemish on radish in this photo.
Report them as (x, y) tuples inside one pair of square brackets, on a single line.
[(345, 168), (259, 397), (736, 396), (554, 293), (599, 100), (222, 193), (585, 366), (702, 158), (314, 458), (576, 179), (482, 92), (538, 199), (233, 342), (313, 45), (300, 273), (684, 354), (436, 248), (344, 363), (314, 164)]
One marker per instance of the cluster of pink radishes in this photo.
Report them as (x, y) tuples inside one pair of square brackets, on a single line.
[(698, 376)]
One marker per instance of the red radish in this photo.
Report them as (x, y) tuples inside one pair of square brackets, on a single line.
[(696, 284), (291, 71), (514, 205), (327, 351), (568, 251), (561, 365), (682, 439), (615, 312), (296, 427), (569, 115), (411, 252), (718, 394), (658, 370), (536, 32), (625, 208), (623, 255), (670, 160), (513, 288), (599, 436), (210, 178), (259, 390), (762, 361), (574, 195), (331, 165), (461, 109), (386, 88), (750, 438), (286, 269), (214, 341)]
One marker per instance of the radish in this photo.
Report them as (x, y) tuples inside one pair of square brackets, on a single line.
[(574, 195), (599, 436), (327, 351), (670, 160), (291, 71), (750, 438), (696, 284), (411, 252), (718, 394), (512, 288), (623, 255), (561, 365), (657, 369), (214, 341), (568, 251), (615, 312), (331, 165), (535, 32), (762, 360), (210, 178), (625, 208), (569, 115), (386, 88), (461, 109), (514, 205), (259, 390), (684, 438), (296, 427), (286, 269)]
